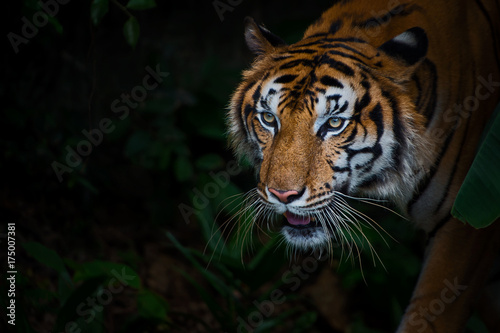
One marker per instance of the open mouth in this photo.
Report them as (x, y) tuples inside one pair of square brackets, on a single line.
[(300, 221), (303, 232)]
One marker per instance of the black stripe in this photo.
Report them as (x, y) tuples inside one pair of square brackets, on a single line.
[(351, 136), (295, 63), (376, 151), (239, 105), (256, 94), (340, 66), (349, 56), (347, 47), (248, 110), (338, 169), (377, 117), (343, 107), (331, 82), (438, 226), (287, 78), (256, 135), (397, 129), (359, 105), (302, 50)]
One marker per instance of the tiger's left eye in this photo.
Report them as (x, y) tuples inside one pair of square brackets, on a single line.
[(268, 118), (335, 122)]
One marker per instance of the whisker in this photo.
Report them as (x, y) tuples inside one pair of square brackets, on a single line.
[(352, 213), (373, 202)]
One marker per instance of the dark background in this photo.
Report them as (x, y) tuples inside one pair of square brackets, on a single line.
[(119, 207)]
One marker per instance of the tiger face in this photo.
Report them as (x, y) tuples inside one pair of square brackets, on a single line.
[(329, 118)]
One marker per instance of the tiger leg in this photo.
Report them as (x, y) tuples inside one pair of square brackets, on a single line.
[(458, 261)]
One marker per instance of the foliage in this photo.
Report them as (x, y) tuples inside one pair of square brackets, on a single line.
[(478, 200), (81, 299)]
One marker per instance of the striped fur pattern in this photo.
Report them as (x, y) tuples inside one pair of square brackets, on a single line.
[(375, 101)]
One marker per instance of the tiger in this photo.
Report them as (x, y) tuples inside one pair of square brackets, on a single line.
[(384, 100)]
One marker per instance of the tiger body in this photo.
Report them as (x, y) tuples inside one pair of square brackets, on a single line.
[(379, 99)]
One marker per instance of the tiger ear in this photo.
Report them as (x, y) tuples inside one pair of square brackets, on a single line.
[(259, 39), (409, 46)]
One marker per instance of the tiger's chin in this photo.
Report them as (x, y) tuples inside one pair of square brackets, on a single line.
[(305, 238), (304, 233)]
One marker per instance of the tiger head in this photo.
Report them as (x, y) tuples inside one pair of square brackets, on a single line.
[(328, 118)]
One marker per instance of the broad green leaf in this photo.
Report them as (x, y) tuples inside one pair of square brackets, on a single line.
[(45, 256), (131, 31), (98, 9), (478, 200), (141, 4)]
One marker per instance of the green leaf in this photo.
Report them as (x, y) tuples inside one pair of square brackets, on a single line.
[(478, 200), (151, 305), (98, 9), (45, 256), (131, 31), (141, 4)]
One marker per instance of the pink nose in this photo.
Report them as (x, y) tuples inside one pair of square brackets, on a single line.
[(284, 196)]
